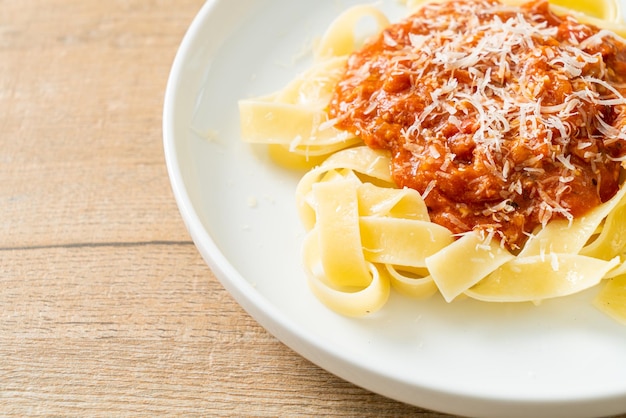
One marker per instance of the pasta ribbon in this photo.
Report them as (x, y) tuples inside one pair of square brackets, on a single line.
[(535, 278), (340, 38), (339, 236), (382, 201), (415, 283), (295, 117), (612, 239), (402, 242), (562, 236), (481, 256), (349, 302), (612, 298), (362, 160)]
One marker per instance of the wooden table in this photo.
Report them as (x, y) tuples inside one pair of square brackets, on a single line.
[(106, 307)]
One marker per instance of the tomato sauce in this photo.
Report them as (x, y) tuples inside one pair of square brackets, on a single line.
[(502, 118)]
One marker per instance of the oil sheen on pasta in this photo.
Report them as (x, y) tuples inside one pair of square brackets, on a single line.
[(501, 117)]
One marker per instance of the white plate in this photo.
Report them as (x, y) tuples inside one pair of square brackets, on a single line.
[(562, 358)]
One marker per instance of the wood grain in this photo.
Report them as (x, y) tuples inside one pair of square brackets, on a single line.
[(106, 307)]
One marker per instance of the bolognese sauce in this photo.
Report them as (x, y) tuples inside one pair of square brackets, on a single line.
[(502, 117)]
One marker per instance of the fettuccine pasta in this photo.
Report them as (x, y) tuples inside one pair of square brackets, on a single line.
[(368, 234)]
